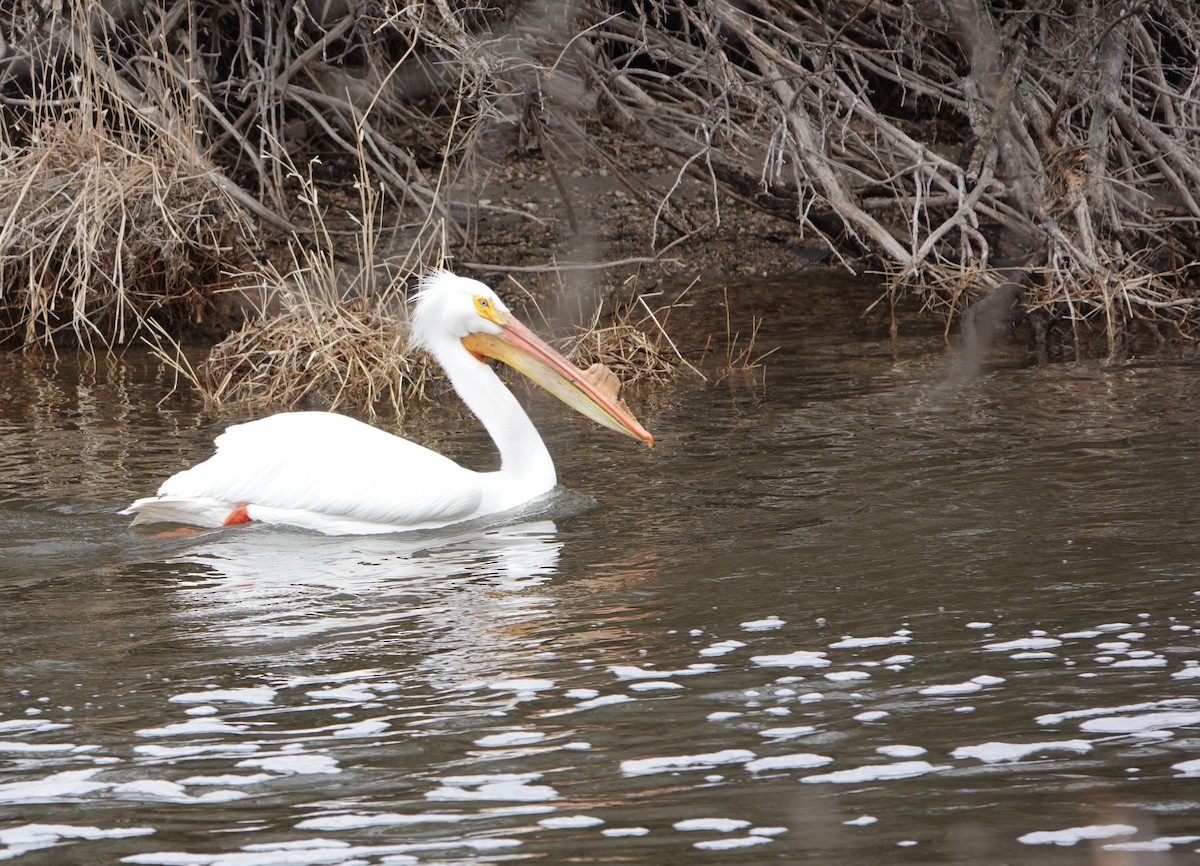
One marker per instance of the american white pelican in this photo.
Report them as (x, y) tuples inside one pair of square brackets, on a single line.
[(330, 473)]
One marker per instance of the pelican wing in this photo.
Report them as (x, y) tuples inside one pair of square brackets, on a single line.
[(328, 464)]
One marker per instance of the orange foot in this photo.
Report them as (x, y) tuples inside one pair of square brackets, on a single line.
[(238, 515)]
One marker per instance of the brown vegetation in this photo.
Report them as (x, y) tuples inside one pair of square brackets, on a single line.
[(1008, 159)]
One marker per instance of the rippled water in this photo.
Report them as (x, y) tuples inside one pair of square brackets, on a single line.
[(870, 613)]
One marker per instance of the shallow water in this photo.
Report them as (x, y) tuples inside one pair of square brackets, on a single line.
[(870, 613)]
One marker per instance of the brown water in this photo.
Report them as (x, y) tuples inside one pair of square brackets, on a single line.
[(870, 613)]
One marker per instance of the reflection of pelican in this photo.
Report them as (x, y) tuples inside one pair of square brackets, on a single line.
[(465, 592), (330, 473)]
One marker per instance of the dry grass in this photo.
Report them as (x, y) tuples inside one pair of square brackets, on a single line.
[(324, 333), (111, 217), (633, 341)]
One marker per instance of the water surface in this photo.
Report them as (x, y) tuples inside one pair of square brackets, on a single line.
[(869, 613)]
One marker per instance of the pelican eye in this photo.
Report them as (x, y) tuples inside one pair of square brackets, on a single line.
[(486, 308)]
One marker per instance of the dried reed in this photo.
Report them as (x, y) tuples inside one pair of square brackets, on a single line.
[(633, 342), (324, 333), (111, 214)]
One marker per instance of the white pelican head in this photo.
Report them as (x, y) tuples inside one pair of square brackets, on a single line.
[(452, 311)]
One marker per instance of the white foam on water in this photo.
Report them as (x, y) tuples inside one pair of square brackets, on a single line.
[(861, 821), (362, 821), (365, 728), (581, 694), (722, 715), (1023, 643), (168, 752), (1154, 735), (1073, 835), (1059, 718), (514, 791), (484, 778), (1080, 635), (1155, 662), (794, 761), (972, 685), (193, 728), (645, 766), (787, 733), (1140, 722), (721, 648), (510, 738), (846, 676), (980, 625), (257, 696), (1114, 626), (314, 852), (351, 694), (570, 822), (1188, 769), (633, 672), (993, 753), (228, 779), (798, 659), (67, 785), (521, 685), (654, 685), (901, 659), (717, 825), (1162, 843), (878, 773), (861, 642), (299, 764), (618, 832), (951, 689), (768, 624), (30, 726), (603, 701), (730, 844), (15, 748), (1033, 656), (871, 716), (17, 841), (161, 790), (900, 751)]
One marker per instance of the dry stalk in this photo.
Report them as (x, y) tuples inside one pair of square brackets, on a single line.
[(324, 334), (633, 342), (969, 145), (105, 226)]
